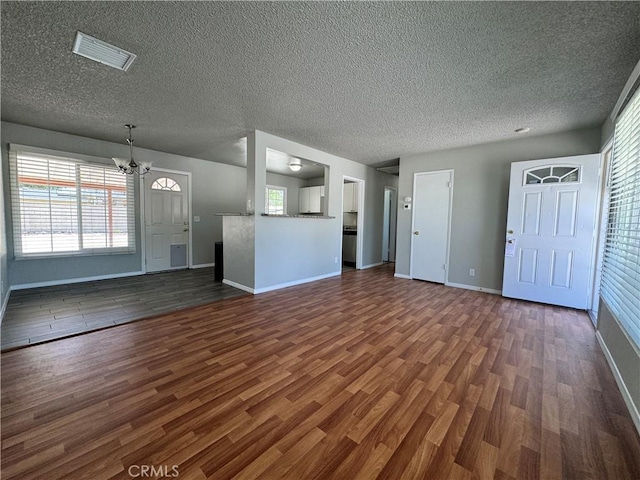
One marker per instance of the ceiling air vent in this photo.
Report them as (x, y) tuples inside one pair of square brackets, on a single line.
[(89, 47)]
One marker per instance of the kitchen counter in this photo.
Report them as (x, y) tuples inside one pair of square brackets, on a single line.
[(296, 216), (233, 214)]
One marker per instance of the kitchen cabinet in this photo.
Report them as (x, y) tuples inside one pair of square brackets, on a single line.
[(350, 197), (311, 199)]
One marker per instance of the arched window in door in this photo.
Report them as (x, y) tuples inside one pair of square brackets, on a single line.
[(554, 174), (166, 183)]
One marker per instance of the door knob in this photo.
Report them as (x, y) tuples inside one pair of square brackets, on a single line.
[(416, 232), (185, 229)]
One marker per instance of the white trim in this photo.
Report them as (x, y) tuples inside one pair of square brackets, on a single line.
[(402, 275), (449, 217), (4, 305), (143, 226), (626, 396), (473, 287), (290, 284), (66, 281), (371, 265), (360, 212), (239, 286), (597, 247), (395, 227), (203, 265)]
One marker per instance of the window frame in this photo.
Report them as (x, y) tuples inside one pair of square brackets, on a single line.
[(78, 161), (620, 277), (284, 199)]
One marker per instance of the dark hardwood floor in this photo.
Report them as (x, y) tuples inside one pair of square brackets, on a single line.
[(363, 376), (42, 314)]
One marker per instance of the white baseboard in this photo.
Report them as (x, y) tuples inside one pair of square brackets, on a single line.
[(203, 265), (626, 396), (371, 265), (66, 281), (473, 287), (239, 286), (402, 275), (297, 282)]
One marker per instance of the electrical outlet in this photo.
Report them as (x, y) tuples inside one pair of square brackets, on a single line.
[(472, 272), (335, 260)]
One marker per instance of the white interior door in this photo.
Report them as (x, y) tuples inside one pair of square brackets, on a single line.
[(166, 216), (550, 230), (432, 193)]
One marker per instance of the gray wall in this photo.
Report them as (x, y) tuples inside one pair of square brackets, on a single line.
[(289, 250), (239, 250), (480, 195), (625, 356), (216, 187)]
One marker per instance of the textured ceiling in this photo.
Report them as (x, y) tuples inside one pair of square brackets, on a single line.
[(366, 81)]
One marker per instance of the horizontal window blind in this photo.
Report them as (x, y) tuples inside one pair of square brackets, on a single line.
[(276, 200), (621, 265), (65, 206)]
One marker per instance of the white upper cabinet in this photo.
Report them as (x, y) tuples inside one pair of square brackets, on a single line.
[(350, 197), (311, 199)]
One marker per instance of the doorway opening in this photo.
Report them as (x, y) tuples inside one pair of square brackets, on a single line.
[(389, 224), (352, 222)]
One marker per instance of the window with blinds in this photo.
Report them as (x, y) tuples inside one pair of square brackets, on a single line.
[(65, 206), (620, 287), (276, 200)]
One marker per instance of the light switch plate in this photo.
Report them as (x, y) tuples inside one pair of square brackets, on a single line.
[(196, 218)]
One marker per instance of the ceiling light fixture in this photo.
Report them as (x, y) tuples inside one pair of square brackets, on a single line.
[(295, 165), (130, 167), (522, 130)]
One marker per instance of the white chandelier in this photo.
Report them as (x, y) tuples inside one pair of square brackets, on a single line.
[(129, 166)]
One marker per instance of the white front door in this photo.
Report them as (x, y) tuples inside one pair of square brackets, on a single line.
[(432, 193), (550, 230), (166, 216)]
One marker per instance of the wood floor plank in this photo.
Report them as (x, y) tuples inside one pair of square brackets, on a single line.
[(364, 377)]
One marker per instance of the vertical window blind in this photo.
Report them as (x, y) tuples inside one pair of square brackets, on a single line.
[(621, 265), (65, 206)]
